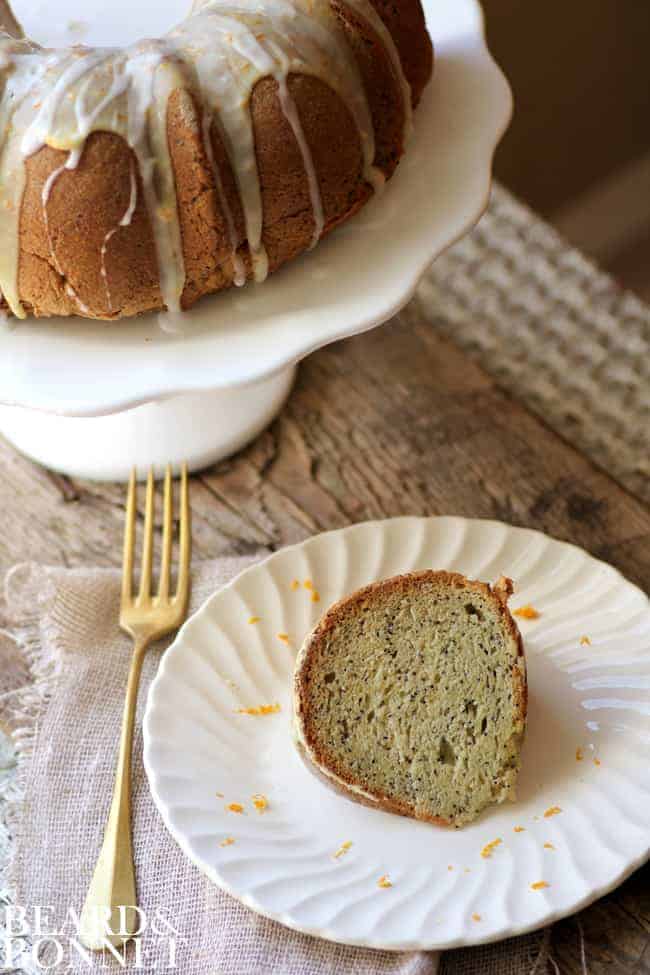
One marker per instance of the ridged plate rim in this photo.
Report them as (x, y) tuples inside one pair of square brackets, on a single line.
[(163, 685)]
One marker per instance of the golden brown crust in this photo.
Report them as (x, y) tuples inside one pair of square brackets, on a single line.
[(307, 742), (332, 138), (407, 27), (207, 249), (383, 802), (88, 202), (83, 206)]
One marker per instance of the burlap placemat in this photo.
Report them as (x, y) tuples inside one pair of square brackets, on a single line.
[(65, 664), (555, 331)]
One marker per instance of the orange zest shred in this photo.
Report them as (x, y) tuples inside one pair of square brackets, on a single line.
[(262, 709), (585, 641), (549, 846), (487, 850), (229, 840), (235, 807), (384, 882), (527, 613), (315, 597), (519, 829), (579, 755), (342, 850), (552, 811), (476, 917), (284, 637), (254, 619), (260, 802), (539, 885), (295, 585)]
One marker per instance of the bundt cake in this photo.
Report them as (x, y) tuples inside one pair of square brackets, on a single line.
[(410, 696), (142, 178)]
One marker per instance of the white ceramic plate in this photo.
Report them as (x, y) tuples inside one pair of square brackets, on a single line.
[(592, 697), (354, 280)]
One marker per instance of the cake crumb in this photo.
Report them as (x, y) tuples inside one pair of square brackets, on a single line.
[(219, 795), (262, 709), (384, 882), (579, 755), (519, 829), (295, 585), (450, 867), (308, 584), (549, 846), (235, 807), (260, 802), (527, 612), (315, 597), (476, 917), (585, 641), (254, 619), (597, 761), (487, 850), (342, 850), (552, 811), (284, 637), (539, 885), (229, 840)]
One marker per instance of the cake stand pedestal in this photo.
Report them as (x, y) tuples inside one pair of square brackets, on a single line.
[(94, 399), (194, 428)]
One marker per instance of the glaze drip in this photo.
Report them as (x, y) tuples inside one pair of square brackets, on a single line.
[(218, 54), (48, 185), (237, 263), (125, 221)]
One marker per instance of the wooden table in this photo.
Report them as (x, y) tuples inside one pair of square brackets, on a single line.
[(394, 422)]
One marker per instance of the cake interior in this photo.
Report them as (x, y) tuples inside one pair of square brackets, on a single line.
[(414, 700)]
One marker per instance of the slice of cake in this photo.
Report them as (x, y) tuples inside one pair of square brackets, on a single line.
[(410, 696)]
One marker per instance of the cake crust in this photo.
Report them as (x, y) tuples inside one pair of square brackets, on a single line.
[(306, 736)]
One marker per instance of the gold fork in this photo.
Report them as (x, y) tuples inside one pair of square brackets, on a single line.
[(111, 898)]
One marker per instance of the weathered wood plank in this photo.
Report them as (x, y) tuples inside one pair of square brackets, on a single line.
[(394, 422)]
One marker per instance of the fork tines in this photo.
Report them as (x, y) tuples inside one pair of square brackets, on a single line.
[(145, 597)]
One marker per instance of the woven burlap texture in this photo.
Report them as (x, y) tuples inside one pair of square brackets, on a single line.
[(65, 722), (554, 331)]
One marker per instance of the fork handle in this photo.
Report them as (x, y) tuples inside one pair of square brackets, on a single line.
[(111, 896)]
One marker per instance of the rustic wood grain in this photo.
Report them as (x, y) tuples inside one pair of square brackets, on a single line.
[(394, 422)]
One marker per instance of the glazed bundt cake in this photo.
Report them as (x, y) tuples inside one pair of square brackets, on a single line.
[(143, 178)]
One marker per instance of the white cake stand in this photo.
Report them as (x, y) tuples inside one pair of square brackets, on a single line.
[(93, 399)]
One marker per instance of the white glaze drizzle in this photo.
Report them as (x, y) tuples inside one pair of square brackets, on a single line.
[(226, 68), (70, 163), (239, 270), (155, 74), (76, 66), (21, 76), (293, 118), (368, 13), (125, 221), (218, 54)]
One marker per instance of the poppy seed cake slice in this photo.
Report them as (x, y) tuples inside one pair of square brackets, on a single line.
[(410, 696)]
